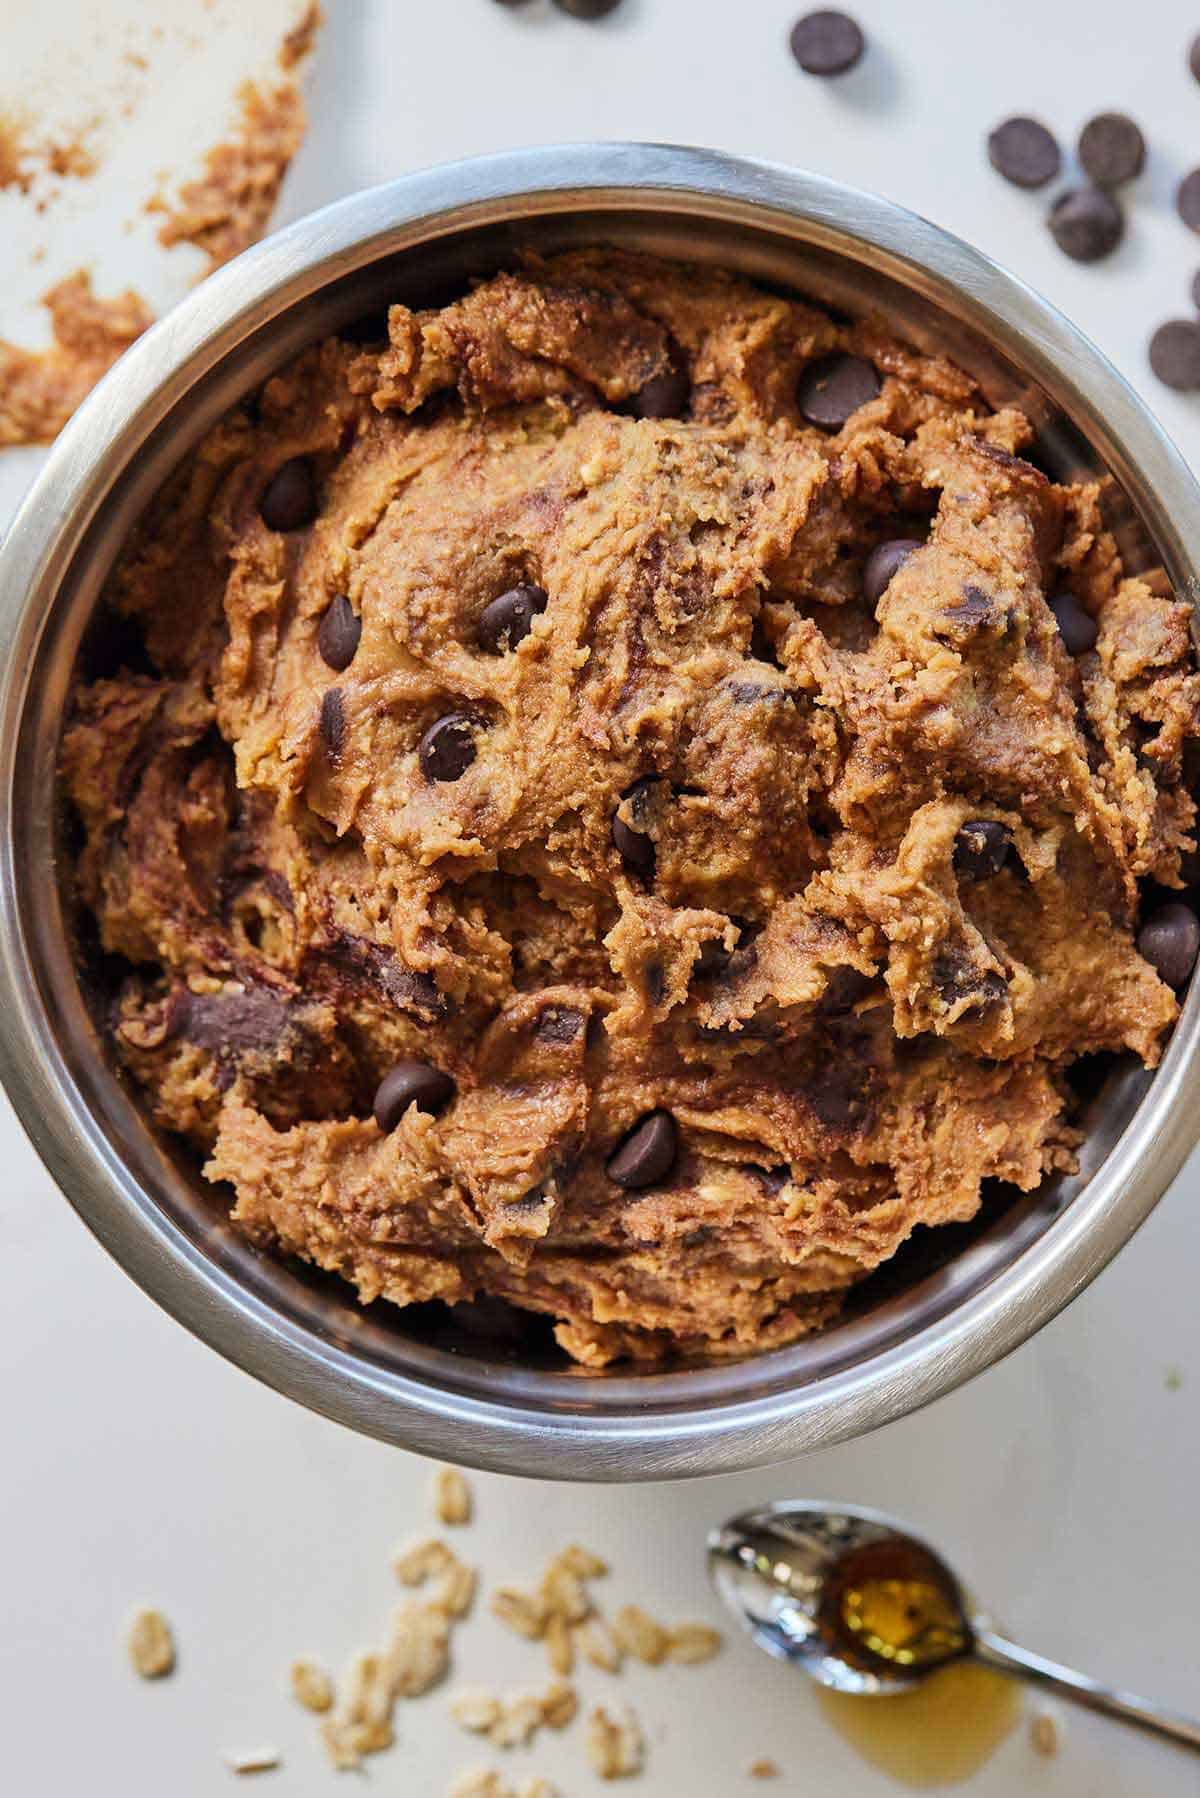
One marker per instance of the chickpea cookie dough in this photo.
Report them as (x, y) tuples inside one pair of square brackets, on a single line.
[(625, 796)]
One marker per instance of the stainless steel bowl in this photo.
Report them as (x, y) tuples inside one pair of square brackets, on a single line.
[(416, 239)]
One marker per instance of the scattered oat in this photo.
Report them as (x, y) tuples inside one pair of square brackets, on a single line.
[(764, 1769), (640, 1636), (560, 1650), (39, 389), (520, 1611), (597, 1644), (479, 1783), (415, 1658), (559, 1705), (475, 1710), (691, 1643), (431, 1559), (311, 1686), (512, 1722), (1044, 1734), (151, 1645), (254, 1760), (615, 1746), (451, 1497)]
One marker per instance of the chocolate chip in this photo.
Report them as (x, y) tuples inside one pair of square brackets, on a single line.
[(713, 959), (333, 723), (447, 749), (1187, 200), (1024, 152), (844, 987), (411, 1083), (955, 977), (229, 1023), (1112, 149), (647, 1154), (836, 1096), (1170, 940), (508, 620), (1087, 223), (973, 613), (884, 561), (587, 9), (832, 389), (558, 1024), (635, 847), (289, 499), (1195, 290), (827, 42), (666, 395), (1077, 628), (1194, 57), (981, 849), (1175, 354), (338, 634), (771, 1179)]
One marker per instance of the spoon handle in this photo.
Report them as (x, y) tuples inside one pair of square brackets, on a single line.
[(995, 1651)]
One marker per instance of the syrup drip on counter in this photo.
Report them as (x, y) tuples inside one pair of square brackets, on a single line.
[(939, 1734), (894, 1606)]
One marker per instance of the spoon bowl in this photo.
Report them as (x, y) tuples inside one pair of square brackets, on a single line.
[(864, 1606)]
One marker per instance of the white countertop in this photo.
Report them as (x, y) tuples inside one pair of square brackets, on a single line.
[(143, 1469)]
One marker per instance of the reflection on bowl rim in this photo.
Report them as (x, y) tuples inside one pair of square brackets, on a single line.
[(248, 318)]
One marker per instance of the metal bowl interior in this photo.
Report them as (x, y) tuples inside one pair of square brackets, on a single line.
[(950, 1305)]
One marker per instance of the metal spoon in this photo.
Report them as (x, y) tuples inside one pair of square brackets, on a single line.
[(808, 1580)]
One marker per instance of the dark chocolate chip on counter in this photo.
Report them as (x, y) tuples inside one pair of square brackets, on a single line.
[(447, 749), (827, 42), (981, 849), (587, 9), (1077, 628), (1175, 354), (666, 395), (1195, 290), (411, 1083), (333, 723), (832, 389), (1112, 149), (647, 1154), (885, 561), (1187, 200), (635, 847), (508, 620), (1024, 152), (1086, 224), (338, 633), (289, 499), (1170, 941)]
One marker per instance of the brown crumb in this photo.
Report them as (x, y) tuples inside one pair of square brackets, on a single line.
[(40, 389), (764, 1769), (14, 154), (1043, 1734), (228, 206), (151, 1645), (299, 40), (71, 157), (451, 1497)]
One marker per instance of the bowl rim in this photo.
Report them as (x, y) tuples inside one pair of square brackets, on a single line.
[(137, 397)]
